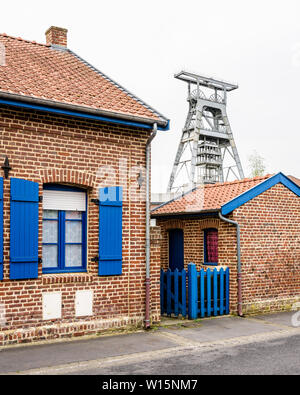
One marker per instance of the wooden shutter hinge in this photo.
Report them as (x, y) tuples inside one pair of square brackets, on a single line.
[(95, 259), (96, 201)]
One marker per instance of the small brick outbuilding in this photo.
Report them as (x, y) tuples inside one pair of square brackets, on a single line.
[(267, 210)]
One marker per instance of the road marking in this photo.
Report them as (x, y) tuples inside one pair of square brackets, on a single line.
[(159, 354)]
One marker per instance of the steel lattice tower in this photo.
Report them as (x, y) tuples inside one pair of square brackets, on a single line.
[(207, 141)]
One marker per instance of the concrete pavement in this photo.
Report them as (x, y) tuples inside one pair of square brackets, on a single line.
[(182, 341)]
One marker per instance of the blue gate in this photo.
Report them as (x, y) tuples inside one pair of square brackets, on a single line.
[(173, 292), (202, 294)]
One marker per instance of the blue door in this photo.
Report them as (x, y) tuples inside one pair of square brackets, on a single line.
[(176, 260)]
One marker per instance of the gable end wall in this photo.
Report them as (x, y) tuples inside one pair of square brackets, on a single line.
[(270, 248)]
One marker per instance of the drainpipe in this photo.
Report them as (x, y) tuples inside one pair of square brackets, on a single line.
[(239, 276), (148, 145)]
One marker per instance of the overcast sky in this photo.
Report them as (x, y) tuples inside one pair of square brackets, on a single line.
[(141, 44)]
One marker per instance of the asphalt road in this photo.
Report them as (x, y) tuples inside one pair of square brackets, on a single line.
[(266, 345), (277, 357)]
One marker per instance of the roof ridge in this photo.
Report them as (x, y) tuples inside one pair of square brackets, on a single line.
[(127, 104), (24, 40), (244, 180), (218, 184)]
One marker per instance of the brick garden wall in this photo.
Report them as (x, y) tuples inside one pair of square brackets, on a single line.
[(44, 148)]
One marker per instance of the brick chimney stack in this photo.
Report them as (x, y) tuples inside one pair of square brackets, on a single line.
[(56, 36)]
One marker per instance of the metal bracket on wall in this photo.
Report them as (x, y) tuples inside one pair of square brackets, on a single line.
[(40, 260), (96, 201), (40, 199), (95, 259), (6, 168)]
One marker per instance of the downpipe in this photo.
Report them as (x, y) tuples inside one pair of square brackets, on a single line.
[(239, 275), (148, 162)]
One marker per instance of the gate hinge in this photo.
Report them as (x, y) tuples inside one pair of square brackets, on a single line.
[(95, 259), (96, 201)]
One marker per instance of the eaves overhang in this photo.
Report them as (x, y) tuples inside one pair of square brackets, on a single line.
[(50, 106)]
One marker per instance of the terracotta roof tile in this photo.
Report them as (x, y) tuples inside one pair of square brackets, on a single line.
[(44, 72), (208, 197), (295, 180)]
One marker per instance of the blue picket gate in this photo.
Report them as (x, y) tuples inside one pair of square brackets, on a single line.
[(207, 291)]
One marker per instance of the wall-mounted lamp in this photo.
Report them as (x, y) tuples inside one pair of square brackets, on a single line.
[(6, 167)]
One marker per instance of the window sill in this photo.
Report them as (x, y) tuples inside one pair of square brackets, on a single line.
[(210, 264), (62, 278)]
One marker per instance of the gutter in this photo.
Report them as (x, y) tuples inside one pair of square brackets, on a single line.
[(239, 276), (52, 106), (148, 153)]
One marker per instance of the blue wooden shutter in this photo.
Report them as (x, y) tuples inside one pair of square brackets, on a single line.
[(1, 228), (24, 222), (110, 231)]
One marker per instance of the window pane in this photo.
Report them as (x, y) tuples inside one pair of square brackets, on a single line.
[(50, 231), (212, 246), (51, 214), (73, 255), (73, 214), (73, 231), (50, 256)]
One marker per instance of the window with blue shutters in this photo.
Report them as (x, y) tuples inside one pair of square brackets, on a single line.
[(110, 231), (64, 229), (24, 208)]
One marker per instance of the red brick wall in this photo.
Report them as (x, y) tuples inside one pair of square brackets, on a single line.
[(270, 248), (56, 35), (45, 148)]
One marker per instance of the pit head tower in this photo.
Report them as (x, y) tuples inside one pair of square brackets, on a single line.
[(207, 152)]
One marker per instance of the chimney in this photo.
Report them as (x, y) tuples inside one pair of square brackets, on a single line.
[(56, 36)]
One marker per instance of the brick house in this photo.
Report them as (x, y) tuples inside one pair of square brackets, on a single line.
[(72, 195), (266, 215)]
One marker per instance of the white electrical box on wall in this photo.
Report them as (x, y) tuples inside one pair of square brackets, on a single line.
[(51, 305), (84, 303)]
